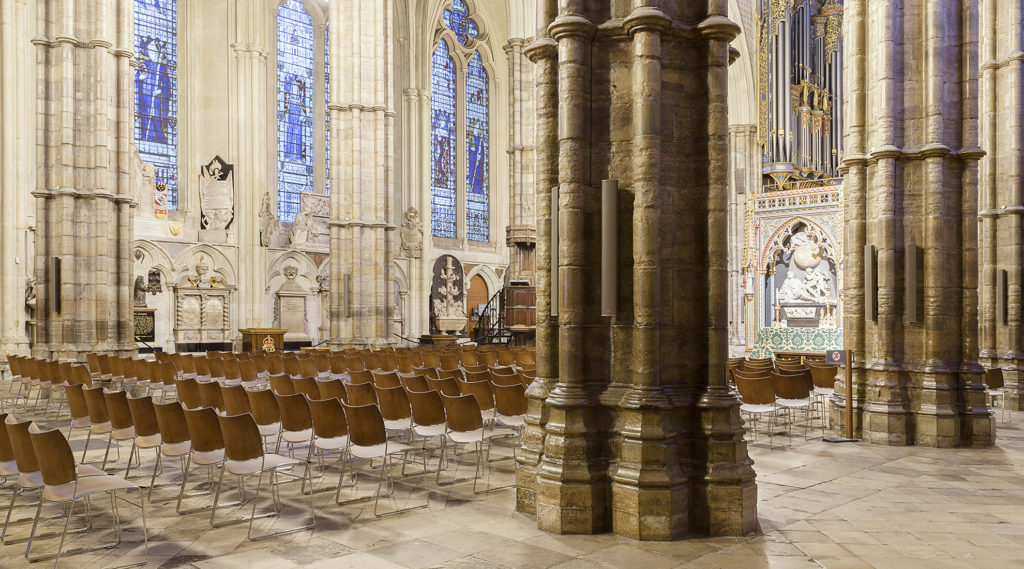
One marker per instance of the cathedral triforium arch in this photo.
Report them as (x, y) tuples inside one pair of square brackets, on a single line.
[(780, 241)]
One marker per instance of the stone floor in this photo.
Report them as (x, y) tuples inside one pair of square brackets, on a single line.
[(839, 506)]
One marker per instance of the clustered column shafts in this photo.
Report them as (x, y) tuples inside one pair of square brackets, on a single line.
[(918, 376), (1001, 188), (84, 193), (521, 233), (362, 175), (542, 52), (620, 442)]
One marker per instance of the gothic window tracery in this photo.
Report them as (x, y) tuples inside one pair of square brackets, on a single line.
[(156, 90), (460, 129), (297, 149)]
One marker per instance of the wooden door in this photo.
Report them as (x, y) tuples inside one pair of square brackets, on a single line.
[(475, 296)]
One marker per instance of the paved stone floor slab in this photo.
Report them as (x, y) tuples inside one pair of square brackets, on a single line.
[(821, 505)]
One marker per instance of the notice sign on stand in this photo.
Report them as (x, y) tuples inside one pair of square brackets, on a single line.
[(844, 358), (835, 357)]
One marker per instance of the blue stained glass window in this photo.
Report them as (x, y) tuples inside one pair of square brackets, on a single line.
[(294, 107), (327, 112), (457, 19), (156, 90), (478, 147), (442, 143)]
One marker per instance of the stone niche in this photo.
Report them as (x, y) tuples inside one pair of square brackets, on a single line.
[(290, 307)]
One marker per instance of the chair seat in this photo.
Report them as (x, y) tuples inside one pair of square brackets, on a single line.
[(793, 403), (757, 408), (206, 458), (125, 434), (331, 443), (269, 430), (85, 486), (430, 430), (148, 441), (377, 451), (297, 436), (255, 465), (100, 428), (81, 422), (510, 420), (473, 436), (824, 391), (397, 424), (8, 468), (176, 449)]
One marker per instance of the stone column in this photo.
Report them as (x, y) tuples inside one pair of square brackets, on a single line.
[(542, 52), (744, 180), (1002, 193), (17, 135), (84, 190), (250, 38), (362, 176), (919, 375), (638, 433), (521, 233)]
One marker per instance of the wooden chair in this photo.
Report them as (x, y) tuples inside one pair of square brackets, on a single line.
[(794, 391), (428, 419), (360, 394), (428, 372), (359, 376), (282, 385), (368, 440), (465, 426), (450, 361), (99, 419), (757, 397), (307, 386), (234, 399), (188, 393), (338, 366), (394, 407), (386, 379), (994, 388), (264, 410), (146, 431), (122, 428), (450, 373), (447, 386), (64, 485), (509, 404), (244, 457), (175, 442), (430, 359), (331, 389), (330, 434), (296, 422), (484, 396), (207, 451), (415, 383), (275, 365)]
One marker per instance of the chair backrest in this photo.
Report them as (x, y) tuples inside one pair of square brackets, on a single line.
[(427, 408), (76, 401), (372, 360), (360, 394), (756, 391), (21, 444), (56, 461), (526, 356), (479, 389), (762, 374), (263, 407), (331, 389), (338, 363), (447, 386), (282, 385), (210, 395), (405, 363), (823, 376), (96, 404), (415, 382), (502, 370), (430, 359), (170, 418), (360, 376), (143, 416), (510, 400), (388, 361), (386, 379), (234, 399), (450, 373), (93, 359), (365, 425), (188, 393), (328, 418), (202, 365), (487, 358), (354, 363), (204, 429), (393, 403), (462, 413), (294, 412), (216, 366), (449, 360), (292, 366), (484, 375), (242, 440), (275, 365), (6, 451), (259, 360), (994, 378), (232, 369), (506, 357), (117, 407), (795, 386), (427, 372), (306, 386), (501, 379), (308, 368)]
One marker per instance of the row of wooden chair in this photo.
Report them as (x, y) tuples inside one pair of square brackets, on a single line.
[(769, 391)]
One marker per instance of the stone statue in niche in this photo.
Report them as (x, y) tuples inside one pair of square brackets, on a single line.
[(303, 225), (154, 286), (140, 292), (311, 220), (217, 194), (30, 294), (267, 221), (412, 234), (449, 312)]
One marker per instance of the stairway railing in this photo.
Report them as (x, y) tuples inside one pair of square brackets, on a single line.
[(491, 322)]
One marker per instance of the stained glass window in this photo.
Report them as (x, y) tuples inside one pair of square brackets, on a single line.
[(156, 90), (327, 112), (478, 147), (457, 19), (294, 107), (442, 144)]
